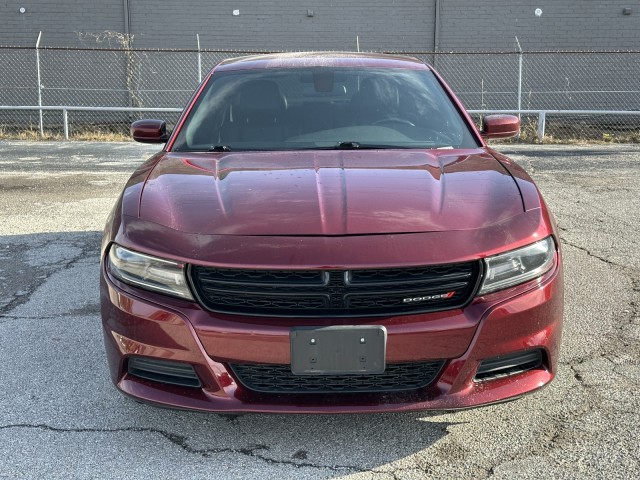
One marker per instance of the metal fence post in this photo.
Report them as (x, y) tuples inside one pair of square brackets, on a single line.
[(65, 121), (39, 83), (199, 59), (519, 76), (436, 33), (542, 118)]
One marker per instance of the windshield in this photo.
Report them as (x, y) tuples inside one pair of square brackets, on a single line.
[(323, 108)]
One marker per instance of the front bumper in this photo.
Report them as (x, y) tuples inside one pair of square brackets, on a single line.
[(149, 325)]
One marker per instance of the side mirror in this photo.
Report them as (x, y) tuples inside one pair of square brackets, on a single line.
[(149, 131), (500, 126)]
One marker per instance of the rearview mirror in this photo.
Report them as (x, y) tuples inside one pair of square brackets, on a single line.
[(149, 131), (500, 126)]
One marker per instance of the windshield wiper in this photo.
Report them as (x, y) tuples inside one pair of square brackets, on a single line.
[(220, 148), (367, 146), (351, 145)]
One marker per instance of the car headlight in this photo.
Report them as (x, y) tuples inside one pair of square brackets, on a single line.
[(151, 273), (518, 266)]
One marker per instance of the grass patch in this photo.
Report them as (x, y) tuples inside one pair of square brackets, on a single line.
[(99, 135), (572, 132)]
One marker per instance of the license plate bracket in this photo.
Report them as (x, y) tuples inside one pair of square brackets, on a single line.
[(338, 350)]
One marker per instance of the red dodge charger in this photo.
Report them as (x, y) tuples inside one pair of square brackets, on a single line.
[(329, 232)]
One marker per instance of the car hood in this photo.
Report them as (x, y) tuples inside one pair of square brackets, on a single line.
[(345, 192)]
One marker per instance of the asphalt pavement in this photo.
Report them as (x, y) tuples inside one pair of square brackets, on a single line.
[(60, 417)]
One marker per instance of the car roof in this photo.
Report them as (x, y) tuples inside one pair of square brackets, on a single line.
[(320, 59)]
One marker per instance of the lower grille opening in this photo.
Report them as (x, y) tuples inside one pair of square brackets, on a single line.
[(505, 365), (397, 377), (163, 371)]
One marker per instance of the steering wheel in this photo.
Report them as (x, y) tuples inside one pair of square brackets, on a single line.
[(394, 120)]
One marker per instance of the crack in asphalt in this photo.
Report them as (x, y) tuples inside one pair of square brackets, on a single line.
[(591, 254), (93, 310), (10, 318), (181, 442), (22, 298), (607, 212), (87, 248)]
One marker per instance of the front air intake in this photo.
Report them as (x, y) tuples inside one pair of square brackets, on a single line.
[(506, 365), (163, 371)]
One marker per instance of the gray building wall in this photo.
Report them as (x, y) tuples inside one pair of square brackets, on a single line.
[(268, 24), (489, 25), (62, 22), (285, 24)]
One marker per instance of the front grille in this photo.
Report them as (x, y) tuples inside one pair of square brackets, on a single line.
[(335, 293), (397, 377)]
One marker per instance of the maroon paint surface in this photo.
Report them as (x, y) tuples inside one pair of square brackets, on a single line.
[(501, 126), (329, 192)]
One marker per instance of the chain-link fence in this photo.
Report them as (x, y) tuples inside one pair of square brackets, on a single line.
[(575, 89), (580, 85)]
